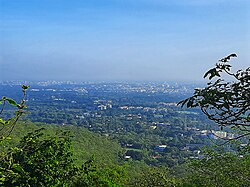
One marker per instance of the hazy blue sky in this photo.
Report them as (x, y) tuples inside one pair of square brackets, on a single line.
[(120, 39)]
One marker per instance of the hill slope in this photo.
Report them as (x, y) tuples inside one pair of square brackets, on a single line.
[(85, 144)]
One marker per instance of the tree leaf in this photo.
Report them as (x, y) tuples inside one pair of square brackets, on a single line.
[(25, 87), (2, 121), (212, 72), (11, 101), (18, 168)]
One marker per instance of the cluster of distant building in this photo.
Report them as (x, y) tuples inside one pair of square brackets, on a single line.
[(103, 104), (218, 134)]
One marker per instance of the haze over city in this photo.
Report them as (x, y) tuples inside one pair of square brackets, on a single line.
[(110, 40)]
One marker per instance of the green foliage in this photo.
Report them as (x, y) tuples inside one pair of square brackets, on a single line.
[(38, 162), (218, 169), (43, 160), (85, 144), (226, 103), (7, 125), (95, 176), (154, 176)]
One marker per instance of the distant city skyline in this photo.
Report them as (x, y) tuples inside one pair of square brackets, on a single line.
[(117, 40)]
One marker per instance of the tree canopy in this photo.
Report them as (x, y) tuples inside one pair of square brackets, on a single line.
[(226, 98)]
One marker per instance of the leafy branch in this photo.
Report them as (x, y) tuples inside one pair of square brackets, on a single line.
[(226, 103), (7, 125)]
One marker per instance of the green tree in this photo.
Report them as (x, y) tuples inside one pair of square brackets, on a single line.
[(218, 169), (155, 177), (225, 101), (38, 161)]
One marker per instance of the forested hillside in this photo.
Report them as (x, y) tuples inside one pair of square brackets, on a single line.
[(85, 144)]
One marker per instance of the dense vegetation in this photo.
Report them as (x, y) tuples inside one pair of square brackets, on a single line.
[(52, 155), (58, 158)]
